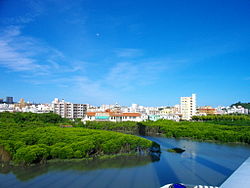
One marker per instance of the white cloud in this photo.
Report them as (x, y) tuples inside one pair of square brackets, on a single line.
[(32, 56), (11, 56), (81, 88), (130, 75)]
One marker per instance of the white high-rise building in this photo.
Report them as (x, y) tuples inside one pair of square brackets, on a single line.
[(68, 110), (188, 107)]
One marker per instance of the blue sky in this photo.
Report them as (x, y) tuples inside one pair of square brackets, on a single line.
[(134, 51)]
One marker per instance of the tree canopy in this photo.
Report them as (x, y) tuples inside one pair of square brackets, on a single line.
[(28, 141)]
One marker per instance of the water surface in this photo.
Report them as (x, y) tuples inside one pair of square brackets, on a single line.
[(201, 163)]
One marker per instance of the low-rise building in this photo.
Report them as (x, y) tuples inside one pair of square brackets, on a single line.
[(34, 108), (154, 117), (112, 116), (206, 110), (231, 110), (7, 107)]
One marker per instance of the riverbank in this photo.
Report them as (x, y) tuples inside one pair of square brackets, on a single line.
[(39, 145), (37, 138), (202, 131), (74, 161), (25, 140), (214, 162), (120, 161)]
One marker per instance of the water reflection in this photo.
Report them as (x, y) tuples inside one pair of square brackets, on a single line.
[(201, 163), (119, 162)]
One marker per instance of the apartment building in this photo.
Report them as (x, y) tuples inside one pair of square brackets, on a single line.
[(68, 110), (188, 107), (9, 100)]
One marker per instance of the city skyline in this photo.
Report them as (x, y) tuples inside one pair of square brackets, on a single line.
[(127, 52), (185, 110), (26, 101)]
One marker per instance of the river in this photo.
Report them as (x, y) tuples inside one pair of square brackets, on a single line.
[(201, 163)]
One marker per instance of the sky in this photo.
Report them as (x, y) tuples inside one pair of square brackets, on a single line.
[(134, 51)]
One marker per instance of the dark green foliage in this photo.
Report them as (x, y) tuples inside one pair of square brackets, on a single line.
[(37, 143), (224, 118), (237, 119), (42, 143), (127, 126), (32, 154), (29, 119), (216, 130), (203, 131)]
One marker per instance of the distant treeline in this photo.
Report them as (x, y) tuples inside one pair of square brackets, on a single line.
[(202, 131), (128, 126), (26, 139), (28, 118), (238, 117), (236, 120), (245, 105), (205, 131)]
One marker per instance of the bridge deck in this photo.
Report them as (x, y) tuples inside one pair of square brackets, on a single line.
[(240, 178)]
